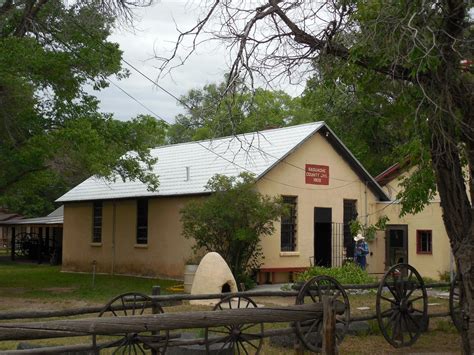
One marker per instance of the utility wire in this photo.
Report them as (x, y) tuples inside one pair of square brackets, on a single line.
[(185, 104), (109, 80), (138, 102)]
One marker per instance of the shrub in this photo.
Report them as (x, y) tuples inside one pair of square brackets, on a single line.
[(349, 273), (231, 222), (445, 276)]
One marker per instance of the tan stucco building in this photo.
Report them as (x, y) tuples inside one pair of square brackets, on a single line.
[(123, 228)]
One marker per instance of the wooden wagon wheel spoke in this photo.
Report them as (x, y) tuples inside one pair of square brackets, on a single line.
[(220, 331), (129, 304), (238, 337), (417, 325), (389, 300), (408, 327), (217, 339), (227, 340), (386, 313), (310, 332), (250, 343), (402, 323), (312, 297), (393, 292), (408, 295), (391, 320), (415, 299)]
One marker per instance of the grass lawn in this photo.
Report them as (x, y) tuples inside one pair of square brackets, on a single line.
[(45, 282)]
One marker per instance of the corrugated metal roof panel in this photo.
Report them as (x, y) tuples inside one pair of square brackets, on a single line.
[(35, 221), (252, 152)]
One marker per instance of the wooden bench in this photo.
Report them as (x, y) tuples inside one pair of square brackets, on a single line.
[(267, 274)]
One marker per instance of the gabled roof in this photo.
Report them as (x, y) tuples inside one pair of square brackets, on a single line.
[(184, 169), (7, 216), (388, 174), (392, 172)]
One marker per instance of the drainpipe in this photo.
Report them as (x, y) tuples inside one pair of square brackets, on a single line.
[(366, 208), (113, 236)]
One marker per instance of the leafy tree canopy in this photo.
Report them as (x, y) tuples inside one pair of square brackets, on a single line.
[(232, 221), (215, 111), (52, 135)]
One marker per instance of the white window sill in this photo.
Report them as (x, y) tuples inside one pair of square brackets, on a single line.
[(141, 246), (96, 244), (289, 253)]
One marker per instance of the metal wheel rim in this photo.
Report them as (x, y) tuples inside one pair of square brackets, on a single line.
[(343, 319), (401, 311), (233, 339), (131, 342)]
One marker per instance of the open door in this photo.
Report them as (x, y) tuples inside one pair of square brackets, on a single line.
[(396, 245), (322, 236)]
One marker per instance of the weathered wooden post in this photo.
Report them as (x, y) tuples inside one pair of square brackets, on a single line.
[(13, 244), (298, 347), (155, 291), (329, 327)]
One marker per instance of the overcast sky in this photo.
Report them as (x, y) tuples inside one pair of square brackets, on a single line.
[(156, 31)]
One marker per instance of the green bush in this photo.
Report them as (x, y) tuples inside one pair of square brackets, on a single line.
[(445, 276), (349, 273)]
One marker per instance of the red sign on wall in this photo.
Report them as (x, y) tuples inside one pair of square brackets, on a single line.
[(317, 174)]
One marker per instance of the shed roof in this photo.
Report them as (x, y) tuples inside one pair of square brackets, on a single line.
[(185, 168), (6, 216), (55, 217)]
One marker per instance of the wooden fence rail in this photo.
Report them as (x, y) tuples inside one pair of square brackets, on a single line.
[(177, 297), (163, 321)]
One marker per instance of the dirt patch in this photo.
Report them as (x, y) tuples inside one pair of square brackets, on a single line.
[(13, 290), (22, 304), (60, 289)]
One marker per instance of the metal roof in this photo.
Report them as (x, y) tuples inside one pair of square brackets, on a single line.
[(55, 217), (7, 216), (35, 221), (185, 168)]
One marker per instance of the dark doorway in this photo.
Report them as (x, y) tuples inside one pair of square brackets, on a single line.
[(350, 214), (396, 244), (322, 236)]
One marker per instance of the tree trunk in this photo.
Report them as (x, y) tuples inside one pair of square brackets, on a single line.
[(457, 213)]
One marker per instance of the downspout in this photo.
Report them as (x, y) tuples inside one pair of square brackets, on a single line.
[(366, 206), (113, 236)]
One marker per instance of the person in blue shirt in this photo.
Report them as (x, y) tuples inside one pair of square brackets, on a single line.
[(361, 251)]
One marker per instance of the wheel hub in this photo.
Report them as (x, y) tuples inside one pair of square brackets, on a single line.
[(236, 332), (403, 305)]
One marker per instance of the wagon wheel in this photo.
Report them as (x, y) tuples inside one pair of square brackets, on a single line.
[(456, 296), (402, 305), (236, 339), (132, 304), (21, 243), (310, 332)]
